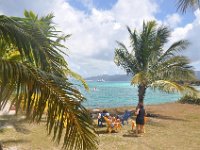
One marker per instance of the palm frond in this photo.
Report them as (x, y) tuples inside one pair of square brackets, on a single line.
[(62, 38), (176, 68), (170, 86), (162, 35), (133, 40), (33, 45), (183, 5), (173, 49), (77, 77), (123, 59), (122, 46), (146, 39), (43, 52), (39, 82), (37, 89), (8, 51), (139, 78)]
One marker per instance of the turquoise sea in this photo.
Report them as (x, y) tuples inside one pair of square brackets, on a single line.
[(114, 94)]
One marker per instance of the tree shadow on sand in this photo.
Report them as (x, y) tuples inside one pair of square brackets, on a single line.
[(101, 132), (131, 133), (104, 131), (11, 141), (14, 122), (164, 117)]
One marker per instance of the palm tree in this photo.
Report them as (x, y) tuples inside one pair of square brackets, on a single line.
[(38, 80), (150, 64), (183, 5), (9, 52)]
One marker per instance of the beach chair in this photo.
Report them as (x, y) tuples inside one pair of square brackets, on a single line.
[(133, 125), (125, 116), (111, 126), (146, 119)]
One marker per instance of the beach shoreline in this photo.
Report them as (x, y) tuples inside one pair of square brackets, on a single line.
[(173, 122), (121, 109)]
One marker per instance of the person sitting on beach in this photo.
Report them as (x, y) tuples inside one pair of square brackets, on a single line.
[(100, 117), (111, 120), (118, 122), (140, 112), (115, 122)]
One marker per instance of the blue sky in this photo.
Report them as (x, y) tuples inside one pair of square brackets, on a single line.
[(95, 26), (98, 4), (166, 7)]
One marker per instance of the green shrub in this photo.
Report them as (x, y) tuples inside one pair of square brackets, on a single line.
[(190, 100)]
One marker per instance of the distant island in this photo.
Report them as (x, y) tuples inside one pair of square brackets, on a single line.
[(117, 77), (120, 77)]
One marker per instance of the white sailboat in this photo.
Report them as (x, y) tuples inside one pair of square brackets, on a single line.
[(101, 80)]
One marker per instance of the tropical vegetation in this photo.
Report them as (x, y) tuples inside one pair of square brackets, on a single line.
[(34, 76), (183, 5), (190, 100), (151, 64)]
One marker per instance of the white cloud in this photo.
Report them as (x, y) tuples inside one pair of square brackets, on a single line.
[(180, 33), (173, 20), (92, 67), (190, 32), (16, 8), (130, 12), (94, 34), (117, 26)]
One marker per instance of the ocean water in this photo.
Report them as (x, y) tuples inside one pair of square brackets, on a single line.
[(114, 94)]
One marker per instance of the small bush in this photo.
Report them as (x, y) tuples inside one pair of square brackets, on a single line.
[(189, 100)]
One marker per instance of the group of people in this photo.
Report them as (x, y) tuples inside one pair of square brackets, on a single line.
[(115, 120)]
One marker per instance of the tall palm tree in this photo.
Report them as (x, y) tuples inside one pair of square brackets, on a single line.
[(9, 52), (183, 5), (39, 80), (150, 64)]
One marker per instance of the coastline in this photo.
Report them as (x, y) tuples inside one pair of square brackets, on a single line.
[(149, 107)]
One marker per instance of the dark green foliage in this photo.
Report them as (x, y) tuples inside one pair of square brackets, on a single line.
[(189, 100)]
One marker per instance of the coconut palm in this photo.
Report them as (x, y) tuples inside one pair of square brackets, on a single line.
[(39, 79), (9, 52), (150, 64), (58, 65), (183, 5)]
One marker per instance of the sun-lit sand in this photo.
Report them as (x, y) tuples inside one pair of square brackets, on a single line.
[(173, 126)]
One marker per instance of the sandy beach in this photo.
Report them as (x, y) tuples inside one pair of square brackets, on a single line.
[(174, 126)]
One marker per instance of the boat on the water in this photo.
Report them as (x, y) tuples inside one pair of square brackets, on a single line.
[(101, 80)]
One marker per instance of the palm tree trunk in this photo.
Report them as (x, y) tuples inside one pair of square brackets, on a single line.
[(141, 92)]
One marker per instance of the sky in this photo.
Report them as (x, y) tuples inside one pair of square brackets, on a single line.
[(96, 25)]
